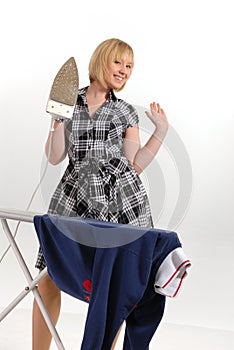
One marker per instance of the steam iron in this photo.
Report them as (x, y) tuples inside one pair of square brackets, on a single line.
[(64, 91)]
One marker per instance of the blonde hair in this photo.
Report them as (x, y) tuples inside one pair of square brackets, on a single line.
[(107, 52)]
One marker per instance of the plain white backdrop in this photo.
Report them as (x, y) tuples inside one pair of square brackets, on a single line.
[(184, 59)]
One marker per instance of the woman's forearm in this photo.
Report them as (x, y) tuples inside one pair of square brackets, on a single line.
[(55, 148), (146, 154)]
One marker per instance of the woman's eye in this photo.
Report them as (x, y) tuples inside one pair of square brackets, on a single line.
[(128, 66)]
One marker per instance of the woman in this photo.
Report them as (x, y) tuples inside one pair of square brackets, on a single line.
[(105, 160)]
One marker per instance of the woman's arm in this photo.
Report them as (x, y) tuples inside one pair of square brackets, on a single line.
[(141, 157), (55, 148)]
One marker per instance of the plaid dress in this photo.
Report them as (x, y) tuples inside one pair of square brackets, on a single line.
[(99, 182)]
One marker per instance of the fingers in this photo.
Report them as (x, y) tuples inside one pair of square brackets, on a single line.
[(155, 107)]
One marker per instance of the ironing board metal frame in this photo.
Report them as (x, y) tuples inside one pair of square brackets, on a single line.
[(25, 216)]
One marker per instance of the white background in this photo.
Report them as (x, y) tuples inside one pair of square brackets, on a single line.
[(184, 59)]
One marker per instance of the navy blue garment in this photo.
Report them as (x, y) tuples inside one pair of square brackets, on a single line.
[(117, 281)]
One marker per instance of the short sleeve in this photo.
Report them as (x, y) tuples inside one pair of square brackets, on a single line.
[(133, 118)]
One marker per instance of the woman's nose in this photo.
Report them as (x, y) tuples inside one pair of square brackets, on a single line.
[(122, 69)]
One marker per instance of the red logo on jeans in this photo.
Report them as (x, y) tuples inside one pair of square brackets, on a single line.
[(87, 284)]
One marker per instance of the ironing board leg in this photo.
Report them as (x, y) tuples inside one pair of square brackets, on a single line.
[(32, 286), (23, 294)]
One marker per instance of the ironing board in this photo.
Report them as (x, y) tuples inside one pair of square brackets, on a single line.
[(153, 259), (25, 216)]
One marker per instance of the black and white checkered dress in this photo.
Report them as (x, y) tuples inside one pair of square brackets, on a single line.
[(99, 181)]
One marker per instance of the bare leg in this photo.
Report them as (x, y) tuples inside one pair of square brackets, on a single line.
[(116, 338), (41, 337)]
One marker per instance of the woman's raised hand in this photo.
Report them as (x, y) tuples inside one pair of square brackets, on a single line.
[(159, 119)]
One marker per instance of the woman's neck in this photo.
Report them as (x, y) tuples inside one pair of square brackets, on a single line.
[(97, 92), (96, 95)]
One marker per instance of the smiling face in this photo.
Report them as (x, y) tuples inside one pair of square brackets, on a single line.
[(111, 64), (119, 71)]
